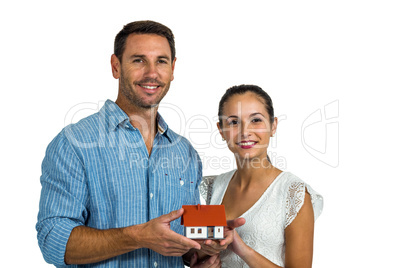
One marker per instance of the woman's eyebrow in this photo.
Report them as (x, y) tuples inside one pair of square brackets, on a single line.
[(253, 114), (231, 116)]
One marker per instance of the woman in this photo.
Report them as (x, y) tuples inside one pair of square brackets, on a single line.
[(279, 208)]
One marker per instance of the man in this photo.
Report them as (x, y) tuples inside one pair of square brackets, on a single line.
[(113, 184)]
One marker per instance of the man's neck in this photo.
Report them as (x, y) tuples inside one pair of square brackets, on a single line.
[(144, 119)]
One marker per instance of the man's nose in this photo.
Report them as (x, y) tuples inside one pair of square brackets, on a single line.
[(151, 70)]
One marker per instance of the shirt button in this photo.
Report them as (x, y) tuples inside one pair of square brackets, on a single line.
[(151, 195), (155, 264), (127, 126)]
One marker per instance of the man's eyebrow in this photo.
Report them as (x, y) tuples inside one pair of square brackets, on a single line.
[(165, 58), (143, 56), (137, 56)]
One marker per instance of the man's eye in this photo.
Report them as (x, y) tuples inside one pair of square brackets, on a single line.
[(137, 60), (163, 61)]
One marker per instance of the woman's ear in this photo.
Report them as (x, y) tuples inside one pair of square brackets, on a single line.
[(274, 125), (220, 130)]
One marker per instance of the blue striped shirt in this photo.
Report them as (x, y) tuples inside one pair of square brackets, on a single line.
[(98, 173)]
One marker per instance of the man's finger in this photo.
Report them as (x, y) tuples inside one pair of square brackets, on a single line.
[(183, 241), (190, 243), (173, 215), (193, 259), (207, 242), (212, 261)]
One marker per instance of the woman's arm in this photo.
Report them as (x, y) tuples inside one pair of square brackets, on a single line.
[(249, 255), (299, 242), (299, 236)]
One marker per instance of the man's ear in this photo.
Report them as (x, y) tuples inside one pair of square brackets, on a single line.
[(173, 64), (116, 67)]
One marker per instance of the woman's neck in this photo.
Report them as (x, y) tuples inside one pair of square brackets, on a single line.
[(254, 173)]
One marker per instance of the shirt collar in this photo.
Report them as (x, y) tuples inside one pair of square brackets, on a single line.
[(115, 116)]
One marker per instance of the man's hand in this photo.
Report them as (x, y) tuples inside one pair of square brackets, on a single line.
[(157, 235), (212, 247), (212, 262)]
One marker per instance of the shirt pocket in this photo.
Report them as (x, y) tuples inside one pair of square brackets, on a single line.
[(180, 186)]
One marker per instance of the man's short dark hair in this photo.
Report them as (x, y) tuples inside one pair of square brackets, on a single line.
[(142, 27)]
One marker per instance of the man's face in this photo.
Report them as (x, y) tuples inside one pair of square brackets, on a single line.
[(145, 71)]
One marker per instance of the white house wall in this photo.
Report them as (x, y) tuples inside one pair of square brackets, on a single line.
[(202, 235), (218, 232)]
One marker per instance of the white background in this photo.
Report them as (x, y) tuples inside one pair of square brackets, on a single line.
[(345, 55)]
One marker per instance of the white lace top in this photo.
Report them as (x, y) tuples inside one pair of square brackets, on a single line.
[(266, 220)]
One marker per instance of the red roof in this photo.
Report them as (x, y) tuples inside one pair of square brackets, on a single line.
[(204, 215)]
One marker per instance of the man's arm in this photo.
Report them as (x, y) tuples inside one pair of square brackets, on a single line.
[(62, 235), (87, 245), (63, 200)]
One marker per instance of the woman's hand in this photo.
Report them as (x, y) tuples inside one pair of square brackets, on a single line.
[(238, 246), (249, 255), (212, 247)]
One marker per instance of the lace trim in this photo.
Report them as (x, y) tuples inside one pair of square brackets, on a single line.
[(206, 188), (294, 201)]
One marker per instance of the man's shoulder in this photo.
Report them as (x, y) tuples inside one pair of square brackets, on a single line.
[(83, 133), (106, 117), (87, 126), (78, 134)]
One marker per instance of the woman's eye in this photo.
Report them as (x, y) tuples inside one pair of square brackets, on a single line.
[(256, 120), (232, 123)]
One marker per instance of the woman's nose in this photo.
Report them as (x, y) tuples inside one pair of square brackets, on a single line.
[(244, 130)]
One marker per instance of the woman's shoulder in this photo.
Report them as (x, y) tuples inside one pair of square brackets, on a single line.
[(228, 174), (211, 182), (294, 190), (285, 181), (212, 178), (287, 178)]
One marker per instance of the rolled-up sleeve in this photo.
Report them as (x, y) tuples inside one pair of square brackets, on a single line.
[(64, 199)]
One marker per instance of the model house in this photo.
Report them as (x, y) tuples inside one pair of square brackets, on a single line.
[(204, 221)]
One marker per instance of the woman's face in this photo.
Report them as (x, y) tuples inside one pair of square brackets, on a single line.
[(246, 127)]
